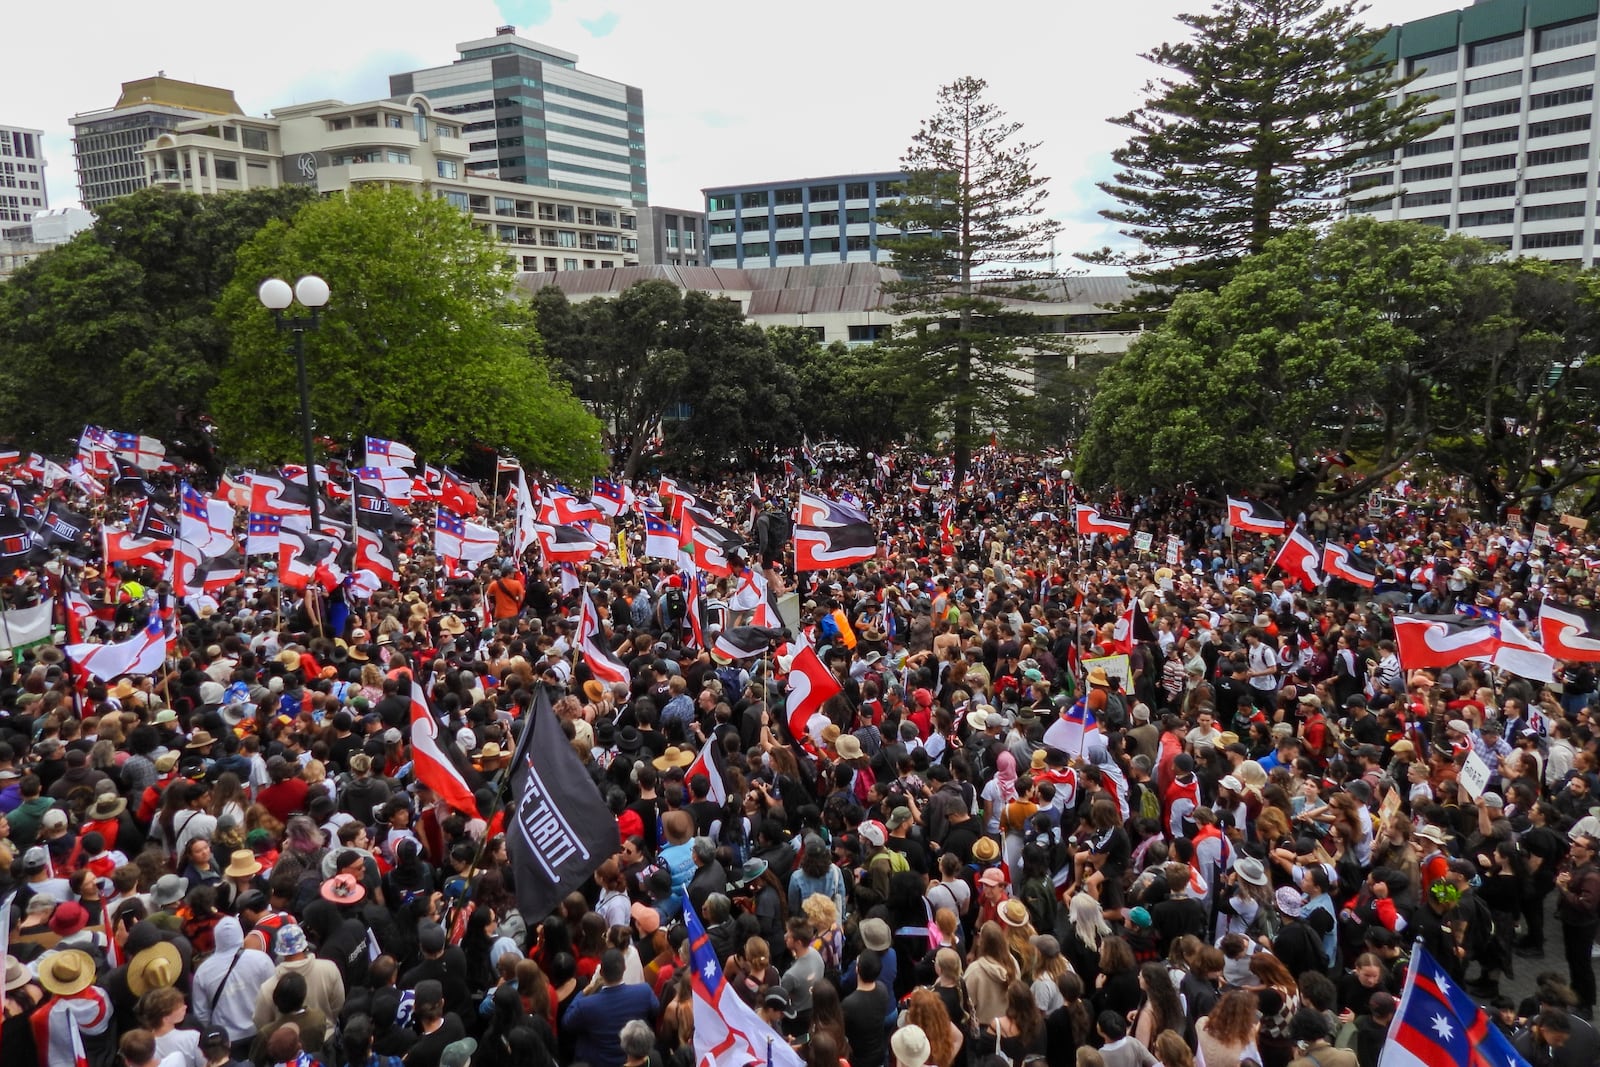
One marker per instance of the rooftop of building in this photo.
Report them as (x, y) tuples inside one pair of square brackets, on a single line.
[(866, 175), (1483, 20), (817, 289), (506, 41), (170, 92)]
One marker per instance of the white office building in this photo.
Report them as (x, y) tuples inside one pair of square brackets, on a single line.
[(22, 188), (1514, 162)]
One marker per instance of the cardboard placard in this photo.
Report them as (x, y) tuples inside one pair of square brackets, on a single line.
[(1474, 776), (1577, 522), (1174, 549), (1141, 541), (1541, 533), (1114, 666)]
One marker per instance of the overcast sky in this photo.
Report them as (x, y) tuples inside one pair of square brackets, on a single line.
[(734, 91)]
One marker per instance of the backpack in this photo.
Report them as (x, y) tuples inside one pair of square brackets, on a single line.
[(1149, 804), (898, 864), (675, 605), (732, 679)]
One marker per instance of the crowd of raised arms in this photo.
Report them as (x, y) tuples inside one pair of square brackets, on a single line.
[(1261, 818)]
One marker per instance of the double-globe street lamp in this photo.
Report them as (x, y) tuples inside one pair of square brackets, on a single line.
[(312, 294)]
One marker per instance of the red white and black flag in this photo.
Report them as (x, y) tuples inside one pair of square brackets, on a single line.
[(809, 686), (745, 642), (1570, 633), (821, 548), (1090, 521), (1442, 640), (1338, 562), (1255, 517), (1298, 559), (603, 663)]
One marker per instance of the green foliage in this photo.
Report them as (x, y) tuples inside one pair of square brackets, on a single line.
[(1357, 340), (1259, 121), (420, 341), (116, 326), (718, 390), (970, 224)]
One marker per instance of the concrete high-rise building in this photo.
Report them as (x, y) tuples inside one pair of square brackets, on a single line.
[(108, 145), (530, 116), (22, 189), (1514, 162), (798, 223)]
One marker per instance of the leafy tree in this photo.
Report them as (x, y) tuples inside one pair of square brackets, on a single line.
[(1265, 114), (1357, 340), (420, 340), (852, 394), (1518, 421), (969, 225), (116, 326)]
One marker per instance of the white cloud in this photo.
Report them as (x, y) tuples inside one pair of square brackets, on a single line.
[(733, 91)]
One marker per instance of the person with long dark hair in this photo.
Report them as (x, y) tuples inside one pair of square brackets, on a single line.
[(1161, 1009)]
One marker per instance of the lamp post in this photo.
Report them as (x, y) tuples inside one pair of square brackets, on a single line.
[(312, 293)]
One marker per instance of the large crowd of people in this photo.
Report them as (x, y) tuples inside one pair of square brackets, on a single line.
[(233, 861)]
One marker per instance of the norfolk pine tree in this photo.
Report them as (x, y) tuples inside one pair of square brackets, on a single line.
[(1259, 122), (970, 224)]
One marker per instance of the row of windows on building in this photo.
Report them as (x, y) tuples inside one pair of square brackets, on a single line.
[(796, 195), (762, 249), (1480, 53), (791, 220), (1502, 135), (1505, 80), (527, 235), (17, 143), (553, 263)]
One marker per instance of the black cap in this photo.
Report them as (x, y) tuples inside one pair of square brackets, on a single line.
[(430, 938), (254, 900)]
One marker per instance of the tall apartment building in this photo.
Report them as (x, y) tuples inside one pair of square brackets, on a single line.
[(530, 116), (22, 188), (108, 145), (798, 223), (334, 146), (1514, 162)]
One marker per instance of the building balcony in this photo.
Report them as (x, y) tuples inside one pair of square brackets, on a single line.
[(336, 179), (332, 141)]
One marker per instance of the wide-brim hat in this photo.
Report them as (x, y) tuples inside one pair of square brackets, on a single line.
[(1435, 834), (157, 967), (673, 757), (1013, 912), (289, 658), (1251, 870), (985, 850), (201, 739), (849, 747), (490, 750), (629, 740), (242, 864), (17, 975), (71, 971), (1098, 676), (452, 625), (343, 889), (106, 806)]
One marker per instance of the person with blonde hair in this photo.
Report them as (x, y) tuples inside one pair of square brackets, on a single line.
[(827, 933), (1089, 930)]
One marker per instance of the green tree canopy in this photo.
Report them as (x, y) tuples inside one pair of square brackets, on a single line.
[(420, 340), (1358, 340), (969, 226), (1259, 120), (116, 326)]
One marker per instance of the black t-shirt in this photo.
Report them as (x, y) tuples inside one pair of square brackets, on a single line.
[(960, 838), (429, 1047), (864, 1013), (1117, 849), (915, 852), (394, 710)]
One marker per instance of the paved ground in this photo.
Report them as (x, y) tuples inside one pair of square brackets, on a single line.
[(1528, 968)]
